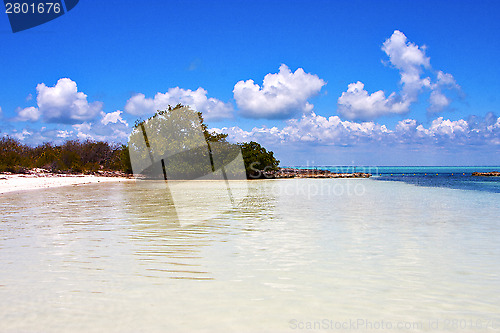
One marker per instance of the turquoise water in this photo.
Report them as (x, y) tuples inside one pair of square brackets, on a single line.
[(295, 253), (457, 177), (450, 177)]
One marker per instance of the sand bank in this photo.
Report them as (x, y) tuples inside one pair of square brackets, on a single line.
[(15, 182)]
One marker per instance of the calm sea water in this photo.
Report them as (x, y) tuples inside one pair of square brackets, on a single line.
[(336, 254), (457, 177)]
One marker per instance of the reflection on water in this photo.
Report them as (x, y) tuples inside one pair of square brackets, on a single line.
[(113, 257)]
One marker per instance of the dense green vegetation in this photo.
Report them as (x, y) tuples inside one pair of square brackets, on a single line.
[(177, 129), (72, 156), (257, 159)]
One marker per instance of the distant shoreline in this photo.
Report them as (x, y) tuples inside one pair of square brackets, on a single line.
[(284, 173), (41, 179)]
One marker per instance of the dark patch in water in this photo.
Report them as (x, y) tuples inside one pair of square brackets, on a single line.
[(448, 180)]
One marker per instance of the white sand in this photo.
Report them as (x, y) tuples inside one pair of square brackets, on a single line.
[(12, 183)]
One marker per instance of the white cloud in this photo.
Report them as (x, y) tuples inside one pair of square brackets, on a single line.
[(411, 62), (405, 56), (332, 130), (139, 105), (495, 126), (96, 131), (448, 128), (21, 136), (28, 114), (406, 125), (311, 128), (446, 80), (357, 103), (211, 108), (438, 101), (112, 117), (108, 127), (83, 131), (63, 103), (112, 132), (63, 134), (281, 95), (493, 131), (1, 112), (319, 130), (111, 127)]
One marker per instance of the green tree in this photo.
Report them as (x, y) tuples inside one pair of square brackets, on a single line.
[(71, 156), (178, 137), (14, 156), (46, 156), (257, 159), (173, 144)]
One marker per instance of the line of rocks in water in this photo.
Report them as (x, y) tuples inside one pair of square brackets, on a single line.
[(311, 173), (487, 174)]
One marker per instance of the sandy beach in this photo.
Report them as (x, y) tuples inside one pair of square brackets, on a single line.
[(15, 182)]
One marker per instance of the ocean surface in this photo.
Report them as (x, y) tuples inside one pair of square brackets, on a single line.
[(367, 255), (457, 177)]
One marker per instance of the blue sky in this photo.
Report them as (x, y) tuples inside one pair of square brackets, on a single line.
[(347, 82)]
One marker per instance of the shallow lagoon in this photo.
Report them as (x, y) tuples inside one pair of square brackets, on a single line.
[(293, 253)]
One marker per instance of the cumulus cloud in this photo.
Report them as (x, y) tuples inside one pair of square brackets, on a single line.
[(212, 109), (449, 128), (112, 117), (494, 132), (139, 105), (63, 103), (446, 80), (479, 124), (412, 63), (282, 94), (357, 103), (36, 136), (76, 118), (98, 132), (110, 127), (312, 128), (407, 57), (21, 135), (28, 114), (438, 101), (407, 125), (320, 130)]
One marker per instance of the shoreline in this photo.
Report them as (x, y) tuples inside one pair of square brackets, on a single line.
[(36, 179), (10, 182)]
